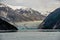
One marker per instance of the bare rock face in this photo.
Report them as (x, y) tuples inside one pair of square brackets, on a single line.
[(57, 25), (20, 15), (6, 27), (52, 21)]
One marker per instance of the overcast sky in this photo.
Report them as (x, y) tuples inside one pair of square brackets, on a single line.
[(40, 5)]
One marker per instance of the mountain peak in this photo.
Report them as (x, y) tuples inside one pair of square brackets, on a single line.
[(2, 5)]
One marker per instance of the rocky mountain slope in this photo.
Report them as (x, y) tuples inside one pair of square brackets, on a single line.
[(6, 27), (19, 15), (52, 21)]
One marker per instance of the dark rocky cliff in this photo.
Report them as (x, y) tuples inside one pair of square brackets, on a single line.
[(52, 21), (6, 27)]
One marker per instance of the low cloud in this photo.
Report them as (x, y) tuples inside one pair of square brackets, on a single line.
[(37, 4)]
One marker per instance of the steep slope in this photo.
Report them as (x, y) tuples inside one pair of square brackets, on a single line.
[(30, 13), (6, 27), (19, 15), (52, 21)]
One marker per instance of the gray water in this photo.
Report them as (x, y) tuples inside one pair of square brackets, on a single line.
[(30, 36)]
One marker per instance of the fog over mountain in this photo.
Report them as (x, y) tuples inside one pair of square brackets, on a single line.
[(43, 6)]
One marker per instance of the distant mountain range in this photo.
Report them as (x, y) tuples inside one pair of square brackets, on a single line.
[(19, 15)]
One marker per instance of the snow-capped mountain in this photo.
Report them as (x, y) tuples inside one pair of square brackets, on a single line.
[(19, 14)]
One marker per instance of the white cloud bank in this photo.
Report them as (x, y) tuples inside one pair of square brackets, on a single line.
[(40, 5)]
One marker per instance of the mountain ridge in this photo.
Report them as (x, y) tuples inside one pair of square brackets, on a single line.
[(20, 15), (52, 21)]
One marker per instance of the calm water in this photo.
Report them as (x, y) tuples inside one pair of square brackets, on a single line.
[(30, 36), (31, 33)]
